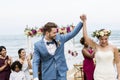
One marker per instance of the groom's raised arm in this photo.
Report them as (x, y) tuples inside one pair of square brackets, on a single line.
[(73, 33)]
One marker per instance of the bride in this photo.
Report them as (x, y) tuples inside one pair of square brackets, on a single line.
[(105, 54)]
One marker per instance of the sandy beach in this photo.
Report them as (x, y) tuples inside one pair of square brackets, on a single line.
[(73, 74)]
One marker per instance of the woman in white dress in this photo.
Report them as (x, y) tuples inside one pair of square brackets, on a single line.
[(26, 62), (105, 54)]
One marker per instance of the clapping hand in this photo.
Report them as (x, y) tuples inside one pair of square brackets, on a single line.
[(28, 58), (6, 62), (9, 61)]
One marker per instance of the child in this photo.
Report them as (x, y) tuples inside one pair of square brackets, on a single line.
[(17, 74)]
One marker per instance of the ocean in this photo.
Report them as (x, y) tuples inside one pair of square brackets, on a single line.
[(15, 42)]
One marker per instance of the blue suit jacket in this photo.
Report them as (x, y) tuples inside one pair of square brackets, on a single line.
[(51, 64)]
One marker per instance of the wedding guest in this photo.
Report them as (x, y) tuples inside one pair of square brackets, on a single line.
[(88, 63), (5, 63), (105, 54), (50, 50), (17, 73), (25, 61)]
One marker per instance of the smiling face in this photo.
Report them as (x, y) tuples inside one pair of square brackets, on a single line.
[(103, 41), (3, 52), (22, 54), (52, 34)]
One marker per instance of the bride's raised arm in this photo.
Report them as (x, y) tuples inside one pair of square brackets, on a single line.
[(85, 35)]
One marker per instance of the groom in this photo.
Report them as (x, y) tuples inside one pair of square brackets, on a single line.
[(50, 50)]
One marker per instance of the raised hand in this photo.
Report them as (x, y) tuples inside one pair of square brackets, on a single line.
[(9, 60), (83, 17), (28, 57), (6, 62)]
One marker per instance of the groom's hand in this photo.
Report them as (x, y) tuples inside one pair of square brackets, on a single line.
[(83, 17)]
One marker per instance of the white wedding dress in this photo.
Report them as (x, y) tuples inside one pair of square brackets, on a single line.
[(26, 70), (104, 66)]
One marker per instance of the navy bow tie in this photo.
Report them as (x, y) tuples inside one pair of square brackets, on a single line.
[(52, 42)]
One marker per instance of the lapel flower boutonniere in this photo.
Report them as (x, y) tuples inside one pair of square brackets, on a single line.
[(58, 43)]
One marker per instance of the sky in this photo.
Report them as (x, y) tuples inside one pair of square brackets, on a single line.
[(16, 14)]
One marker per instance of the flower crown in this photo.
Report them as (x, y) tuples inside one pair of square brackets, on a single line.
[(100, 33)]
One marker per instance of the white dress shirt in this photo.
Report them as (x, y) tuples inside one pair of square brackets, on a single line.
[(17, 75), (51, 47)]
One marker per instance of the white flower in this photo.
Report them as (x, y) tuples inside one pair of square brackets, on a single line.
[(109, 31), (101, 33), (58, 43), (97, 33), (27, 32)]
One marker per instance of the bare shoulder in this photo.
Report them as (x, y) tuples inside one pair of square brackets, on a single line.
[(115, 49), (112, 46), (84, 49)]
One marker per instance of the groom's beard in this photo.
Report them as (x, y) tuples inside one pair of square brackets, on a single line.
[(52, 37)]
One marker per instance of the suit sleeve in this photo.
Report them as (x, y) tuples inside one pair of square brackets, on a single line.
[(73, 33), (36, 61)]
